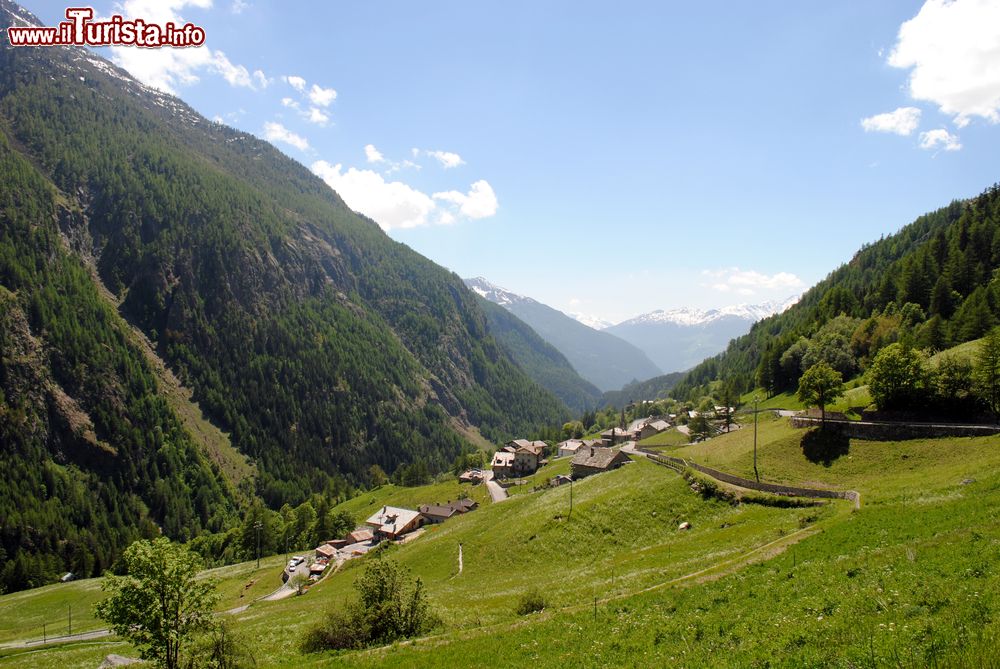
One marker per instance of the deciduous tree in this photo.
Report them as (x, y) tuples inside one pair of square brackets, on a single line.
[(158, 605), (820, 385)]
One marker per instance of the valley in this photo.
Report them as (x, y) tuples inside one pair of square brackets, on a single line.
[(748, 570), (252, 416)]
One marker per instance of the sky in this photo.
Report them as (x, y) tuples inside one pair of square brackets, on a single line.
[(608, 159)]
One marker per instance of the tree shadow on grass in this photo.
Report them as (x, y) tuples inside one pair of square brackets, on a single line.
[(824, 446)]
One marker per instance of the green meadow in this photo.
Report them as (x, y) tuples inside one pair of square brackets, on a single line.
[(908, 580)]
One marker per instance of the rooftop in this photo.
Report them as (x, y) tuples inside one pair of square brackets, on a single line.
[(597, 457), (391, 519)]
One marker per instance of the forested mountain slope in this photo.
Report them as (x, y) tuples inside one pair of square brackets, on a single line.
[(540, 360), (657, 387), (930, 285), (92, 457), (319, 343)]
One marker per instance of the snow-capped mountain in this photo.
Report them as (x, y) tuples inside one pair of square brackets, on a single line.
[(495, 293), (590, 321), (678, 339), (605, 360), (684, 316)]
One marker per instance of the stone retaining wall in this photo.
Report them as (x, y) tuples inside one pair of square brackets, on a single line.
[(679, 463), (886, 431)]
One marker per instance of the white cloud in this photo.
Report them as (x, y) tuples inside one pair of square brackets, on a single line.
[(373, 155), (321, 96), (939, 139), (236, 75), (288, 102), (902, 121), (392, 204), (169, 69), (296, 82), (479, 202), (275, 132), (748, 282), (239, 6), (446, 158), (953, 51), (316, 116)]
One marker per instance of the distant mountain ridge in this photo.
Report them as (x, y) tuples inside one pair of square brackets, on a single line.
[(686, 316), (601, 358), (539, 359), (678, 339)]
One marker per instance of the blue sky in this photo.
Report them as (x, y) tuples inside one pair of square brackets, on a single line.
[(610, 158)]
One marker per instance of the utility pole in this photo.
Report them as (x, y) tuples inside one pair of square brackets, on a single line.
[(756, 399), (258, 526), (570, 499)]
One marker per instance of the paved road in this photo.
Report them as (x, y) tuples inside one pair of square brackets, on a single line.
[(497, 493), (83, 636), (629, 447)]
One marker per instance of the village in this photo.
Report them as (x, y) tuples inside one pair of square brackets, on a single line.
[(511, 463)]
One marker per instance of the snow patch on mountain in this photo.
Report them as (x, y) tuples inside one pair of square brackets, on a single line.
[(495, 293), (595, 322), (693, 317)]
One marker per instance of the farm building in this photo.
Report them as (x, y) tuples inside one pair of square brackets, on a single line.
[(596, 459), (391, 522)]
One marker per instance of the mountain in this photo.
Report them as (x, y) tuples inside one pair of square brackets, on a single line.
[(601, 358), (540, 360), (932, 285), (678, 339), (314, 344), (594, 322)]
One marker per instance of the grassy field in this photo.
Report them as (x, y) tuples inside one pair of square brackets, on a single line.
[(665, 441), (878, 470), (528, 484), (31, 613), (908, 580), (856, 398)]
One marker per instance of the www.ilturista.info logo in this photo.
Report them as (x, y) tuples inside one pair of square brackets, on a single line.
[(79, 30)]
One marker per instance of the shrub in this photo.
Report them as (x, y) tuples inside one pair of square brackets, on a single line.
[(387, 608), (532, 601)]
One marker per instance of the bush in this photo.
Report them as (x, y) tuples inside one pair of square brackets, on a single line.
[(388, 608), (532, 601), (220, 648)]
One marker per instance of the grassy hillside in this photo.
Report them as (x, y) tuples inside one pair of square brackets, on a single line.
[(905, 581)]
